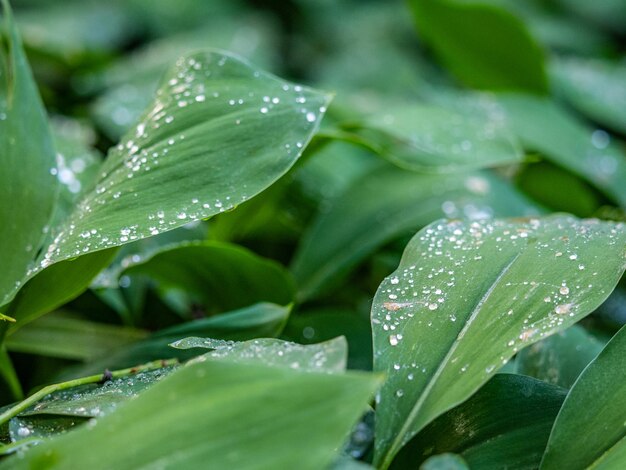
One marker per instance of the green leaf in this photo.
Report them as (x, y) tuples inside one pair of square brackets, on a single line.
[(219, 414), (596, 404), (595, 87), (467, 296), (222, 276), (560, 358), (67, 337), (330, 356), (28, 187), (219, 132), (543, 126), (386, 203), (506, 424), (259, 320), (434, 139), (482, 45)]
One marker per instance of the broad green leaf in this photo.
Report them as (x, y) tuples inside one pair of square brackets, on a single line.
[(560, 358), (259, 320), (484, 46), (388, 202), (330, 356), (220, 275), (595, 404), (595, 87), (467, 296), (219, 132), (68, 337), (28, 187), (445, 462), (506, 424), (543, 126), (205, 415), (434, 139)]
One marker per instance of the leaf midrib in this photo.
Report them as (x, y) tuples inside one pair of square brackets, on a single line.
[(404, 430)]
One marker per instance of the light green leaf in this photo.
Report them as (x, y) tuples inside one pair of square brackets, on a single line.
[(386, 203), (560, 358), (221, 276), (435, 139), (221, 415), (28, 187), (506, 424), (329, 356), (467, 296), (68, 337), (595, 87), (543, 126), (507, 57), (595, 404)]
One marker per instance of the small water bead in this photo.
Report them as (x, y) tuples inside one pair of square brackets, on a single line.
[(310, 117), (563, 309), (432, 306), (564, 289), (394, 280), (264, 110), (393, 340), (399, 393)]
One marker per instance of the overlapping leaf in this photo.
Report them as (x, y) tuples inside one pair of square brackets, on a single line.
[(595, 404), (467, 296)]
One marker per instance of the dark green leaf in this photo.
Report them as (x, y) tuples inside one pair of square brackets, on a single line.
[(222, 276), (506, 424), (483, 45), (595, 404), (467, 296)]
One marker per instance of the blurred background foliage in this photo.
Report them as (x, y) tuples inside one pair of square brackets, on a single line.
[(325, 235)]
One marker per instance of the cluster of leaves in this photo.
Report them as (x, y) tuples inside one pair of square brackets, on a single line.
[(238, 285)]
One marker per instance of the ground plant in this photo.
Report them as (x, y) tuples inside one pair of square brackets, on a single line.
[(313, 234)]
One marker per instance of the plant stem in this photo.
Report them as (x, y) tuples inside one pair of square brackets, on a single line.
[(35, 397)]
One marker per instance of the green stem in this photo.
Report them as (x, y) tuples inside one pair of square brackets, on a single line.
[(8, 375), (35, 397)]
